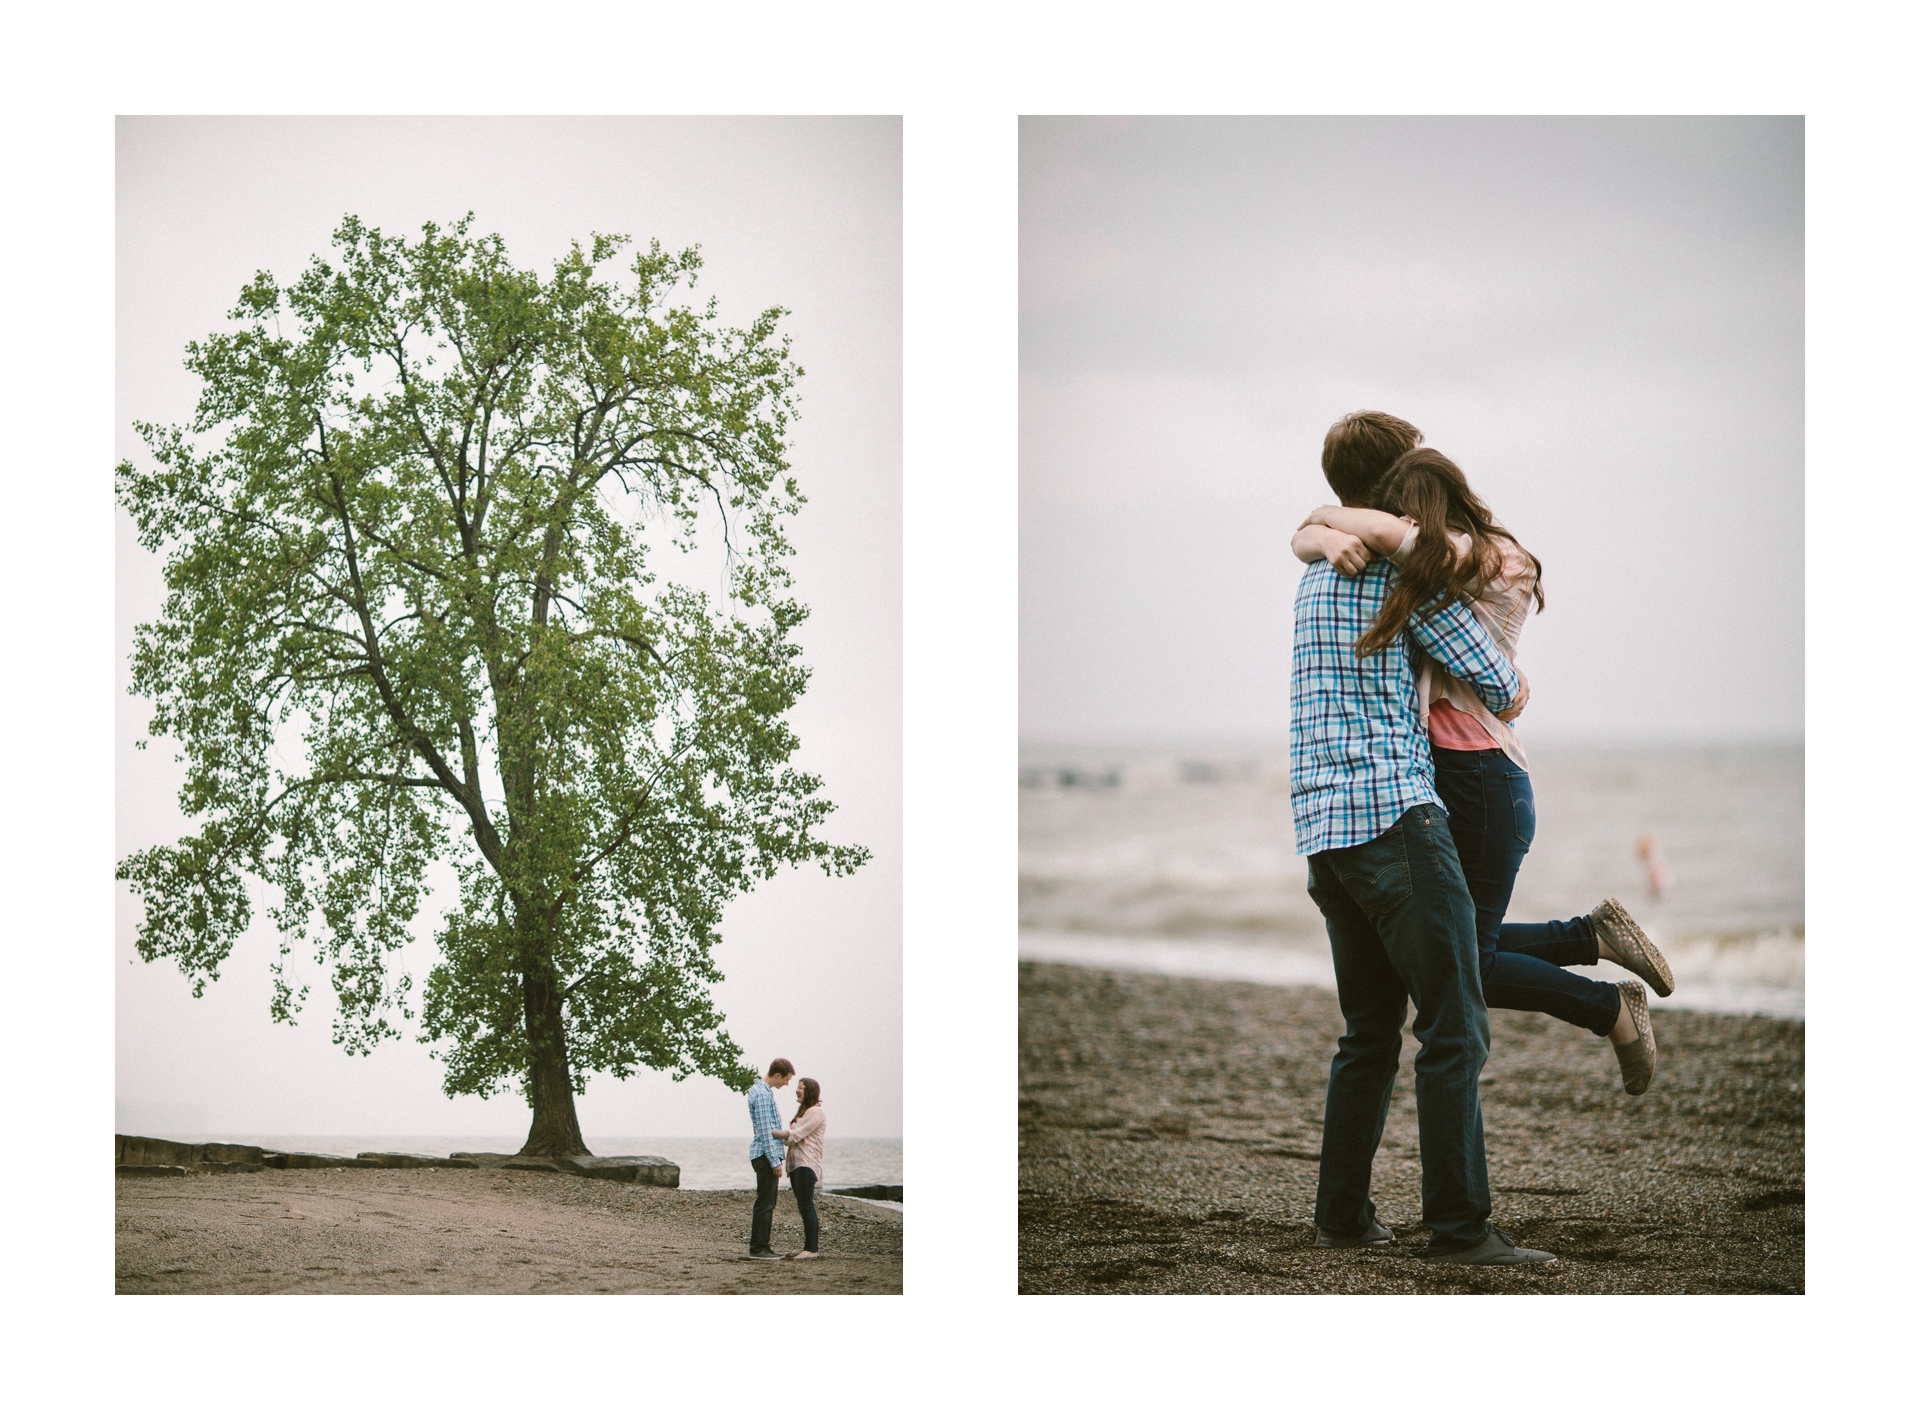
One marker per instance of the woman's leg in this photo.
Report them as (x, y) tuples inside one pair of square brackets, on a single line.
[(1558, 942), (1489, 801), (803, 1182)]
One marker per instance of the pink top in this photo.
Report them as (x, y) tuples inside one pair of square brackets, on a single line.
[(1501, 606), (807, 1142)]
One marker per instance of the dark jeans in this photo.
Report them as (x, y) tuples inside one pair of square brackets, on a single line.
[(1400, 920), (1489, 802), (803, 1181), (766, 1190)]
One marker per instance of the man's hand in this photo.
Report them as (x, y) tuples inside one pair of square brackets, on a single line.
[(1512, 712)]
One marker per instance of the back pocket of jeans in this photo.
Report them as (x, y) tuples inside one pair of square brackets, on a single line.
[(1521, 789), (1376, 873)]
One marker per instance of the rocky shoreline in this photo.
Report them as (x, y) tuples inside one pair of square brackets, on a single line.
[(1169, 1143), (148, 1156)]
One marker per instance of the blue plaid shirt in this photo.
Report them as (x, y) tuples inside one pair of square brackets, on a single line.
[(766, 1120), (1358, 756)]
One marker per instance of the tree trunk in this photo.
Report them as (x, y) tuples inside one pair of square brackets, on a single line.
[(556, 1129)]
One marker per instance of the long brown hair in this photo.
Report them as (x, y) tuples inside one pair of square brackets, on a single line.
[(809, 1096), (1428, 488)]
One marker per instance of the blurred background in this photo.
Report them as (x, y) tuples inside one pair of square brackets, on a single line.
[(1600, 320)]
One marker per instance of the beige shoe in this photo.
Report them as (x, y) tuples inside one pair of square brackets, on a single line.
[(1629, 941), (1638, 1058), (802, 1254)]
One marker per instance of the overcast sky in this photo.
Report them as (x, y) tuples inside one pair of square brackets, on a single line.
[(1599, 320), (803, 213)]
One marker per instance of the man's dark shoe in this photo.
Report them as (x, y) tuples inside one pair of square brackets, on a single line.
[(765, 1253), (1378, 1235), (1496, 1250)]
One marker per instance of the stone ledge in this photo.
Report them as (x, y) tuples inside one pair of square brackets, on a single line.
[(150, 1155), (886, 1192), (208, 1158), (402, 1160), (316, 1160), (628, 1169)]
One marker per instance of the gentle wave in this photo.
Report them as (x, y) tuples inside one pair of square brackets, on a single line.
[(1762, 974)]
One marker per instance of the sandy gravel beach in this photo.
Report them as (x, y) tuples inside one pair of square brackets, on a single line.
[(477, 1231), (1170, 1129)]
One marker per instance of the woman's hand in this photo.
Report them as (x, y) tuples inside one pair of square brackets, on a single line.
[(1312, 542), (783, 1135), (1348, 555)]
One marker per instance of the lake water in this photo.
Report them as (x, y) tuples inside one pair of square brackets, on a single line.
[(706, 1162), (1181, 861)]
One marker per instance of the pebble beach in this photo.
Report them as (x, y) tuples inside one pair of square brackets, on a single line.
[(477, 1231), (1169, 1143)]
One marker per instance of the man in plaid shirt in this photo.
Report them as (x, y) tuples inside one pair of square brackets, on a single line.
[(1383, 870), (766, 1153)]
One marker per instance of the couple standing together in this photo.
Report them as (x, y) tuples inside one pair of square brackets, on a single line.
[(1412, 803), (800, 1147)]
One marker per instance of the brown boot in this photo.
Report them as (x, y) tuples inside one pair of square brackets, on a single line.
[(1638, 1058), (1630, 944)]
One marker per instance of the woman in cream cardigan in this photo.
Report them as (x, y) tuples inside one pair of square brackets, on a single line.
[(806, 1138)]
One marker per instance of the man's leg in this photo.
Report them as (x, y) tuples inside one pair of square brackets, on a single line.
[(1408, 882), (1360, 1081), (765, 1193)]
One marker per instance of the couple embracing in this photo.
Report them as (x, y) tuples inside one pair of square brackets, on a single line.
[(799, 1146), (1412, 803)]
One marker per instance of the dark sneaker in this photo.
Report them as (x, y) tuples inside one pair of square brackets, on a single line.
[(1638, 1058), (1377, 1235), (766, 1253), (1630, 943), (1496, 1250)]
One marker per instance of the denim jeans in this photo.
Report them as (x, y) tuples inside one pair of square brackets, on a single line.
[(766, 1192), (803, 1181), (1400, 920), (1489, 802)]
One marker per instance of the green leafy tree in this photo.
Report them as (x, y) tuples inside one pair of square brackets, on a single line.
[(415, 522)]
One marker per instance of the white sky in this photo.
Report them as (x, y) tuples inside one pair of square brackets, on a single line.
[(805, 213), (1600, 320)]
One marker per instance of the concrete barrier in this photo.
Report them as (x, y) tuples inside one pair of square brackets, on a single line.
[(316, 1160), (209, 1158), (887, 1192), (628, 1169)]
